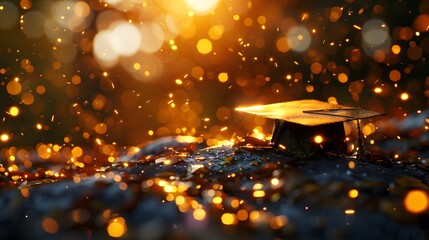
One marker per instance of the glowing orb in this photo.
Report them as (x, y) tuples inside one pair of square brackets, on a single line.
[(202, 7), (125, 39), (103, 50), (298, 38), (152, 37), (375, 32), (416, 201), (376, 39)]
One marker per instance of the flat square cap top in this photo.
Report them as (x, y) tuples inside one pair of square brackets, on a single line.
[(309, 112)]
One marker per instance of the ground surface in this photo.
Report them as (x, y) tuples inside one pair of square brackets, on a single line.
[(248, 191)]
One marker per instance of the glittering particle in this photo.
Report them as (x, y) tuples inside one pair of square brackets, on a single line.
[(416, 201)]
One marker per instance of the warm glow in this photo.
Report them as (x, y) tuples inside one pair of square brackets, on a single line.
[(202, 7), (416, 201), (223, 77)]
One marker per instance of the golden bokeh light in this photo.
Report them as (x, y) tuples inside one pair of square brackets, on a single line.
[(14, 111), (14, 87), (353, 193), (204, 46), (117, 227), (4, 137), (199, 214), (223, 77), (50, 225), (416, 201), (404, 96), (318, 139), (229, 219), (202, 7)]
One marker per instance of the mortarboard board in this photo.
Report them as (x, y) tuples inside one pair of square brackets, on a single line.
[(305, 127)]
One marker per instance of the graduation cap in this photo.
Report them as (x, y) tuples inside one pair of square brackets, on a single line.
[(306, 127)]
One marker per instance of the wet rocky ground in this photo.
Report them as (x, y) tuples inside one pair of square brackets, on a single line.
[(173, 190)]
